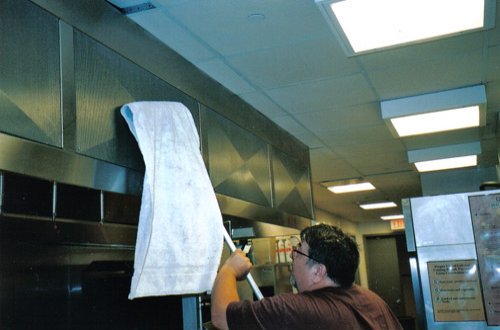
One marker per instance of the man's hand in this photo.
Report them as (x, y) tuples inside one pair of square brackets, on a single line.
[(225, 290), (239, 264)]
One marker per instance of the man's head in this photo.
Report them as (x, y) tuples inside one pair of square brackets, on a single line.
[(329, 246)]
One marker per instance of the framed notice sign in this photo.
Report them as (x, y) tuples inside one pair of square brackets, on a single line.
[(455, 290)]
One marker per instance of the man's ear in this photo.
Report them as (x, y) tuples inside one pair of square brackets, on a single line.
[(319, 272)]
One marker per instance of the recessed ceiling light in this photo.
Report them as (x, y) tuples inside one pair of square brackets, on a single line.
[(392, 217), (375, 24), (256, 17), (439, 121), (436, 112), (378, 205), (445, 157), (446, 163), (348, 188)]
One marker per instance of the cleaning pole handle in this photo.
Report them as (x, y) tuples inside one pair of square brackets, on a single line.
[(250, 279)]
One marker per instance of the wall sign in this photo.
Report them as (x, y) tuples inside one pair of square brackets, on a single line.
[(455, 290)]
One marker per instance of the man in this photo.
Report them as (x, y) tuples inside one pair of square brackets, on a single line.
[(323, 270)]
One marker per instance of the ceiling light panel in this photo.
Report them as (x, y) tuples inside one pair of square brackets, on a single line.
[(439, 121), (446, 163), (392, 217), (436, 112), (445, 157), (378, 205), (348, 188), (367, 25)]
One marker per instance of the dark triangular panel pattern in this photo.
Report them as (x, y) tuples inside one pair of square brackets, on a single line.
[(291, 185), (238, 161), (29, 73), (104, 82), (242, 184), (14, 121)]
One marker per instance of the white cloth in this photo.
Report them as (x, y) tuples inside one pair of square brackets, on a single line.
[(179, 237)]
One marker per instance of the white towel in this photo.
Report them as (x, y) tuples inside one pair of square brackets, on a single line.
[(179, 237)]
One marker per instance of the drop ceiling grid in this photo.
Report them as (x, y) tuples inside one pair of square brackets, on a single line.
[(422, 52), (294, 63), (341, 117), (493, 64), (332, 170), (350, 136), (282, 19), (226, 75), (428, 76), (321, 94), (178, 38)]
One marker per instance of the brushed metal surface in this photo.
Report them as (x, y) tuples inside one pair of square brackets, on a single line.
[(443, 231), (238, 161), (291, 185), (96, 71), (42, 161), (238, 208), (68, 97), (30, 72), (103, 23)]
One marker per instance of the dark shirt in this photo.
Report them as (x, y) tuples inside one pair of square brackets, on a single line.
[(326, 308)]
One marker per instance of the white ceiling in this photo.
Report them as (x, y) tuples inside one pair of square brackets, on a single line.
[(281, 57)]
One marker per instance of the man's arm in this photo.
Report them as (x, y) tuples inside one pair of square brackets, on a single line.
[(225, 289)]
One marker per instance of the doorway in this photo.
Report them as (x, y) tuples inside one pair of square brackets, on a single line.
[(389, 276)]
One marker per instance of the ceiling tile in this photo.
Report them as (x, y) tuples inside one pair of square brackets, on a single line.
[(435, 50), (178, 38), (309, 139), (333, 169), (235, 31), (263, 104), (355, 116), (424, 77), (323, 94), (224, 74), (363, 135), (493, 64), (290, 124), (493, 96), (304, 61)]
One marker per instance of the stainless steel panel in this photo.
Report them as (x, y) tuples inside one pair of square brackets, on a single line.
[(410, 234), (240, 228), (444, 253), (442, 220), (30, 99), (38, 160), (417, 293), (105, 81), (68, 97), (238, 161), (238, 208), (291, 185), (102, 22)]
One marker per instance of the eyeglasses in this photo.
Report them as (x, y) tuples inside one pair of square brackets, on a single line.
[(296, 250)]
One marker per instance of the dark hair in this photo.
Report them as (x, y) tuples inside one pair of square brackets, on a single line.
[(337, 251)]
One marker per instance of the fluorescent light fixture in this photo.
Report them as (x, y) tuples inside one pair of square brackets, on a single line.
[(445, 157), (378, 205), (392, 217), (354, 187), (365, 25), (438, 121), (436, 112), (446, 164)]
